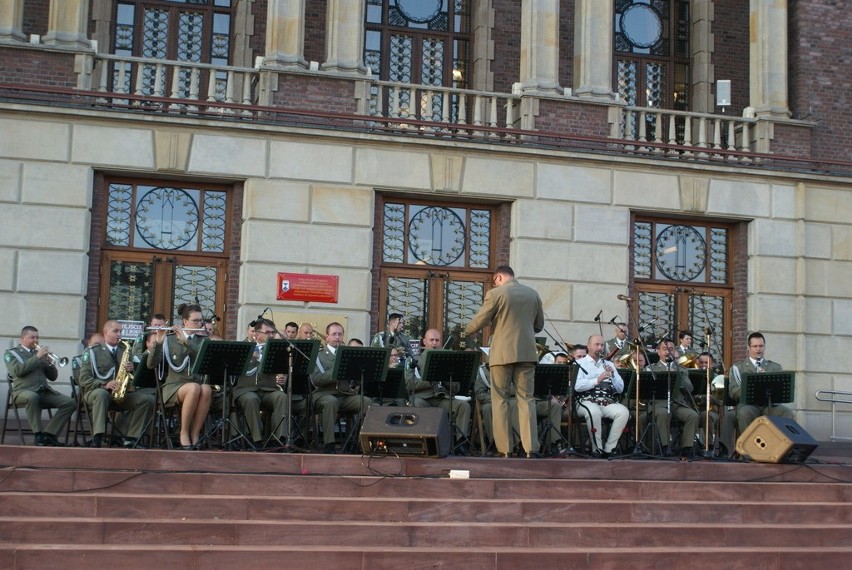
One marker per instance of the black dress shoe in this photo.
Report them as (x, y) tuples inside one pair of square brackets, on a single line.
[(97, 440), (329, 448), (51, 440), (129, 442), (41, 439)]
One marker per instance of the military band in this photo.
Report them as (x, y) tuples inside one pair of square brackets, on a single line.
[(163, 356)]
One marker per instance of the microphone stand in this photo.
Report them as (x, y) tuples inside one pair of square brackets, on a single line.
[(288, 417)]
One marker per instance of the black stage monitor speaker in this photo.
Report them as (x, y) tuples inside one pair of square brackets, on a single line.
[(772, 439), (398, 430)]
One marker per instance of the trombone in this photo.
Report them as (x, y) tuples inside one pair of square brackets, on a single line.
[(55, 360)]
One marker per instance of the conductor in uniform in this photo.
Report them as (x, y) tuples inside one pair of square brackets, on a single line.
[(516, 313)]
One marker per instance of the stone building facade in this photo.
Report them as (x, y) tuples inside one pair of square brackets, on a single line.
[(534, 147)]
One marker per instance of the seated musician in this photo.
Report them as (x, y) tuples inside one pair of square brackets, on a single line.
[(426, 394), (99, 371), (255, 390), (729, 417), (618, 345), (681, 397), (685, 349), (576, 352), (328, 398), (596, 390), (291, 330), (394, 334), (179, 350), (754, 362), (30, 368), (306, 331), (156, 320)]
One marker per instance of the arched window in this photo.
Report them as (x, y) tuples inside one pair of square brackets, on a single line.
[(652, 53)]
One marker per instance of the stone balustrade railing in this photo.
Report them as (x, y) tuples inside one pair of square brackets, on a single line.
[(192, 87), (187, 87), (684, 134), (454, 110)]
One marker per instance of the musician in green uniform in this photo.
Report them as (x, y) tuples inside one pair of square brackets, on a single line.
[(99, 370), (30, 367)]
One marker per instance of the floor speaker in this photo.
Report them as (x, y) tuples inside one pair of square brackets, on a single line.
[(773, 439), (397, 430)]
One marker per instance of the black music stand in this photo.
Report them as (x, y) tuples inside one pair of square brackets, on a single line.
[(651, 388), (364, 369), (698, 378), (551, 380), (297, 359), (392, 390), (768, 388), (230, 358), (451, 366)]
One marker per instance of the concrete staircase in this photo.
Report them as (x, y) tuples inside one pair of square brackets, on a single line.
[(81, 508)]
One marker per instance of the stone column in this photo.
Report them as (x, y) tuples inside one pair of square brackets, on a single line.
[(12, 21), (67, 24), (344, 42), (540, 46), (285, 34), (768, 58), (593, 37)]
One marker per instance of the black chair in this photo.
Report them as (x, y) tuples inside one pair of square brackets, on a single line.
[(22, 427)]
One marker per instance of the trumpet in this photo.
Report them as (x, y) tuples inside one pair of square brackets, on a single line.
[(55, 360)]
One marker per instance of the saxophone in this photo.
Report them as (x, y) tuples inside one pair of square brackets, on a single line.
[(122, 376)]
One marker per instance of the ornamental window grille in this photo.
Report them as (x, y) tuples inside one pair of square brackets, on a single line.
[(423, 42), (434, 264), (197, 31), (681, 270), (651, 53)]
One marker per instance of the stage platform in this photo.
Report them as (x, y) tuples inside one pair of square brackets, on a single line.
[(93, 508)]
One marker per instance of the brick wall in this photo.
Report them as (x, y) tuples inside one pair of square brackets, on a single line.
[(315, 12), (315, 93), (35, 16), (37, 67), (507, 44), (730, 58), (258, 38), (792, 140), (572, 118), (820, 62), (566, 45)]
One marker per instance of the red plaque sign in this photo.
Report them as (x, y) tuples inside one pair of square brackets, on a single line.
[(307, 287)]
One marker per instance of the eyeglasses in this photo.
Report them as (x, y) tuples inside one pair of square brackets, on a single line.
[(195, 320)]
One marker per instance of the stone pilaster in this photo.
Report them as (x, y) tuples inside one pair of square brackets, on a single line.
[(593, 33), (768, 58), (285, 34), (67, 23), (540, 46), (12, 21), (344, 42)]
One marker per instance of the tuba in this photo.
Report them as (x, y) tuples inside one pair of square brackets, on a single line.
[(122, 376)]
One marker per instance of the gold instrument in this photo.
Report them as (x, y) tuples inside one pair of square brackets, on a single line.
[(319, 334), (122, 376), (541, 350), (55, 360), (688, 361)]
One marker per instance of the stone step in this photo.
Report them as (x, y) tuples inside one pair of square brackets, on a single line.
[(334, 534), (221, 483), (323, 508), (379, 557)]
